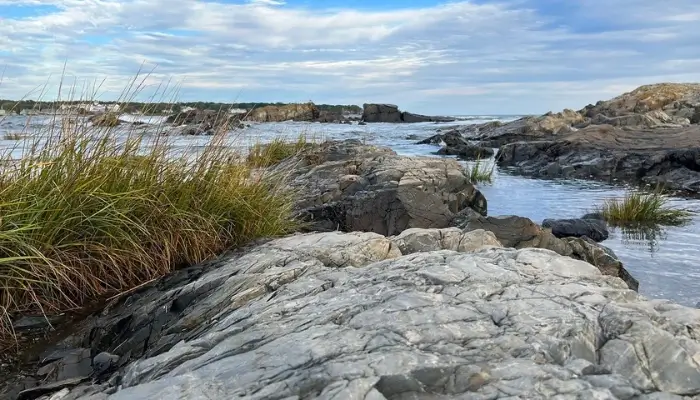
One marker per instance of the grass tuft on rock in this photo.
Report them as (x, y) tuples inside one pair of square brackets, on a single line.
[(272, 153), (88, 212), (642, 208), (481, 172)]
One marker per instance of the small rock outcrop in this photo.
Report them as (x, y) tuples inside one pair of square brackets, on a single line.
[(350, 316), (349, 186), (390, 113)]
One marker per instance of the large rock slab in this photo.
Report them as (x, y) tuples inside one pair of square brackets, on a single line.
[(277, 323), (349, 186)]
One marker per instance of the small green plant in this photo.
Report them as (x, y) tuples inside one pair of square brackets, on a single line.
[(267, 154), (642, 208), (479, 172)]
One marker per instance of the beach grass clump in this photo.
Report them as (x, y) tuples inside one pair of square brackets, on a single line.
[(87, 213), (481, 172), (639, 207), (278, 149)]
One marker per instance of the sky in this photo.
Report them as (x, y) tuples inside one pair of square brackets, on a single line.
[(426, 56)]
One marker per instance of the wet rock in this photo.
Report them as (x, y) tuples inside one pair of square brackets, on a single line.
[(348, 186), (595, 229), (294, 318)]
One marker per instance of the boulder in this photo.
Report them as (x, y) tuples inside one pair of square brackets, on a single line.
[(292, 319), (108, 120), (521, 232), (381, 113), (349, 186), (288, 112), (595, 229), (390, 113)]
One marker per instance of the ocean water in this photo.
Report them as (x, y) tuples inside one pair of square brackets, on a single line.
[(665, 260)]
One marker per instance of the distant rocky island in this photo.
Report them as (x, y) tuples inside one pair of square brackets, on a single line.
[(650, 135)]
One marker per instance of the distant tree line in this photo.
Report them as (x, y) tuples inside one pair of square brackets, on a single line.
[(160, 108)]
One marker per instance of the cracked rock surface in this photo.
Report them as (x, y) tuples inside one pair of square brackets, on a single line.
[(428, 314)]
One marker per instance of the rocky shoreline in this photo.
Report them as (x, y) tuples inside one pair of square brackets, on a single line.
[(648, 136), (209, 122), (402, 286)]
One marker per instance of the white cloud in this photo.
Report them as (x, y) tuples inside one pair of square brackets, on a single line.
[(522, 56)]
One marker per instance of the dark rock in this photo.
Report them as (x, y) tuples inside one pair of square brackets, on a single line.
[(381, 113), (75, 364), (467, 152), (104, 362), (595, 229), (390, 113), (456, 145), (48, 388), (605, 153), (29, 322)]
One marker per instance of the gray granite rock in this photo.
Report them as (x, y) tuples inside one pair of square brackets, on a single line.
[(346, 316)]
